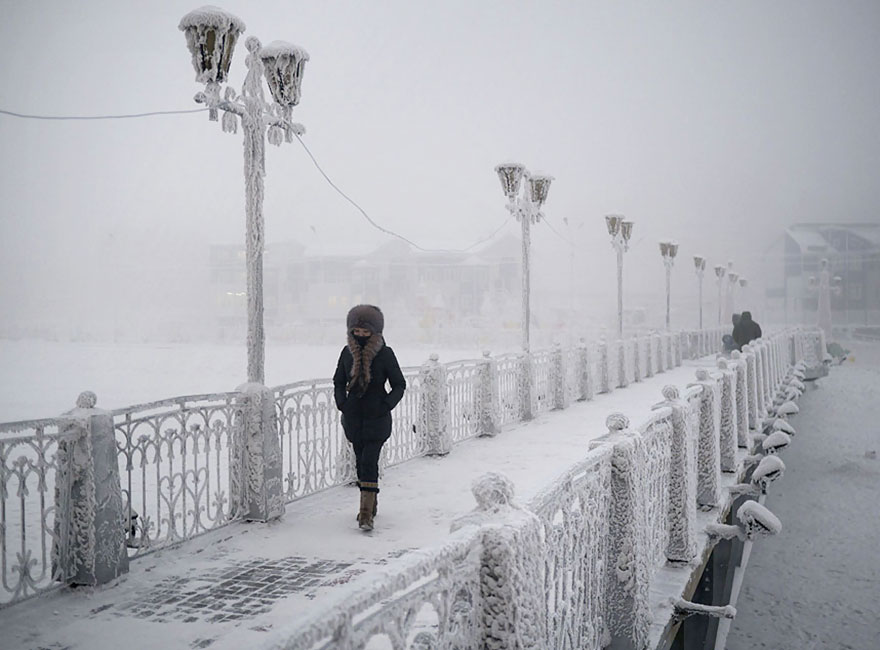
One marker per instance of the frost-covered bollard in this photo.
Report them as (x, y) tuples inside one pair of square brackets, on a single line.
[(649, 356), (681, 546), (708, 457), (728, 432), (511, 583), (742, 401), (585, 379), (256, 468), (434, 408), (628, 614), (89, 537), (622, 381), (661, 354)]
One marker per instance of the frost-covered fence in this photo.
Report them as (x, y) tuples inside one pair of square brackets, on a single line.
[(28, 469), (572, 568), (174, 464), (188, 465)]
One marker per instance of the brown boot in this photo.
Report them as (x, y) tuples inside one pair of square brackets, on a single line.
[(365, 516), (375, 509)]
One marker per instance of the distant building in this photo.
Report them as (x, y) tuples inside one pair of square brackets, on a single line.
[(305, 287), (853, 252)]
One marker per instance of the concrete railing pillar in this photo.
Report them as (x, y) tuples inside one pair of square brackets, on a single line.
[(434, 408), (489, 397), (622, 381), (255, 474), (513, 614), (560, 399), (728, 432), (681, 545), (604, 378), (708, 457), (584, 374), (628, 614), (742, 400), (90, 516)]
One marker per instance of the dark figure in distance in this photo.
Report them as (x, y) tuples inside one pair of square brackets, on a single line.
[(727, 339), (364, 366), (746, 330)]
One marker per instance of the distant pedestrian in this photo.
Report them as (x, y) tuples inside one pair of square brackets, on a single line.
[(727, 340), (746, 330), (365, 365)]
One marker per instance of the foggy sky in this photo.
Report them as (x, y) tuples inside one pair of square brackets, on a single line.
[(716, 124)]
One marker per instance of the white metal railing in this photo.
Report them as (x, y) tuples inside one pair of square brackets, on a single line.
[(179, 459)]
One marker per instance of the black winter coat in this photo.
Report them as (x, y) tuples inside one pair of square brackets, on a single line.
[(368, 417), (746, 330)]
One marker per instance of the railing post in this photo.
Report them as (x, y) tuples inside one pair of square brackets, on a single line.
[(758, 351), (256, 486), (649, 355), (585, 378), (658, 345), (604, 380), (752, 387), (434, 408), (742, 400), (679, 340), (526, 381), (89, 531), (628, 614), (560, 399), (681, 523), (511, 584), (489, 399), (621, 364), (728, 432), (708, 459), (637, 362)]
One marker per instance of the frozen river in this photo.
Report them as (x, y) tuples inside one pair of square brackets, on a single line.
[(41, 379), (816, 586)]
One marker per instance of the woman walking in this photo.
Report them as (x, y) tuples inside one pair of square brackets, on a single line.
[(364, 367)]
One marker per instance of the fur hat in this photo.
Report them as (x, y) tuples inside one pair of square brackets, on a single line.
[(368, 317)]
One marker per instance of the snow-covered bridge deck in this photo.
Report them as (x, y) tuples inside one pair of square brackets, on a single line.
[(230, 587)]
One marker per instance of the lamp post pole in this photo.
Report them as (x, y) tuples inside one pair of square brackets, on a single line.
[(720, 272), (526, 207), (700, 268), (621, 231), (732, 276), (211, 35), (668, 250)]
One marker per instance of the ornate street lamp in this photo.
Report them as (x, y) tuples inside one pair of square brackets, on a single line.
[(700, 268), (668, 250), (211, 35), (743, 283), (621, 231), (526, 207), (720, 272)]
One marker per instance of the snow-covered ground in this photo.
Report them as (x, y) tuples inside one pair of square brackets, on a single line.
[(817, 585), (41, 379)]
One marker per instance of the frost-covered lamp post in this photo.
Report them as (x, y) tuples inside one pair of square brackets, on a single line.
[(211, 35), (743, 283), (526, 207), (668, 250), (700, 268), (720, 272), (621, 231)]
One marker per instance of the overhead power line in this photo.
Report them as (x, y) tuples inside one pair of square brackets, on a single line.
[(98, 117), (308, 152)]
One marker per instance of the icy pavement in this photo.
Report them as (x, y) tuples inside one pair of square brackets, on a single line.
[(230, 587), (817, 584)]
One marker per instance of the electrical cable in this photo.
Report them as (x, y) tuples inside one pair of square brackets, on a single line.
[(98, 117)]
